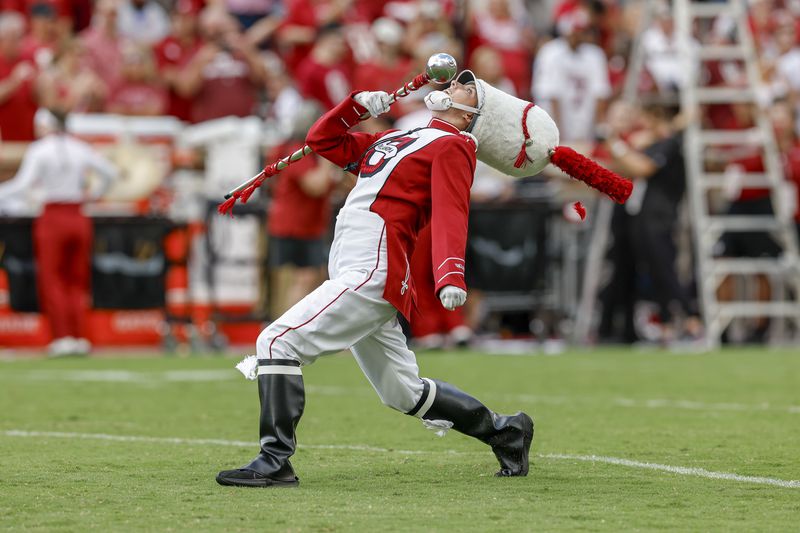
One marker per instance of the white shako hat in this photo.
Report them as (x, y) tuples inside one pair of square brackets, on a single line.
[(514, 136)]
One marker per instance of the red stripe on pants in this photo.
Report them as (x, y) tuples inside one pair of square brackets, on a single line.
[(62, 238)]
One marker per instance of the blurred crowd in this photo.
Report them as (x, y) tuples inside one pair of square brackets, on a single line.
[(200, 60), (203, 59)]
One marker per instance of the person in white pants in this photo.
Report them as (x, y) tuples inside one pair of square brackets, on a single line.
[(407, 179)]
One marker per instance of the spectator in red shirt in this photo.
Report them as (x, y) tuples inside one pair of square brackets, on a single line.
[(103, 45), (304, 18), (299, 217), (174, 53), (511, 35), (18, 99), (69, 86), (389, 68), (487, 65), (429, 24), (224, 75), (44, 38), (139, 93), (323, 75)]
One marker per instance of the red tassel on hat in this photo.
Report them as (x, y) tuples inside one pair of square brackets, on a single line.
[(578, 207), (522, 157), (584, 169)]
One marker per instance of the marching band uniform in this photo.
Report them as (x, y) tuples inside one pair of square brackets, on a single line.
[(405, 180)]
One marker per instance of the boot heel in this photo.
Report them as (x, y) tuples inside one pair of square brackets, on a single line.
[(515, 461)]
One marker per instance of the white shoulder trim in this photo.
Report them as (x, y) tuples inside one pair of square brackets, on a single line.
[(471, 136)]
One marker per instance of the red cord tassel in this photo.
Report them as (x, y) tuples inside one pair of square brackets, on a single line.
[(521, 157), (248, 191), (584, 169), (578, 207), (420, 80), (413, 85), (226, 207)]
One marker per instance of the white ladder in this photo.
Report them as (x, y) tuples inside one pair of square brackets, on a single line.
[(783, 271)]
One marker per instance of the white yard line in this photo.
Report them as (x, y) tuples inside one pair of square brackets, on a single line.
[(680, 470)]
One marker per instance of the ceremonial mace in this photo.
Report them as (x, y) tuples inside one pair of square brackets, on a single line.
[(441, 68)]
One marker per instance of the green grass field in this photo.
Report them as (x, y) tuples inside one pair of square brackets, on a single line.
[(712, 443)]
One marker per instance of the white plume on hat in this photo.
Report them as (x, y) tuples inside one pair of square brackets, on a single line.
[(505, 126), (519, 138)]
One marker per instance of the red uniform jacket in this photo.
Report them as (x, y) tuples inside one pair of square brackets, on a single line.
[(409, 179)]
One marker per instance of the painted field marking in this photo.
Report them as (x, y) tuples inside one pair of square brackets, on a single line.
[(680, 470)]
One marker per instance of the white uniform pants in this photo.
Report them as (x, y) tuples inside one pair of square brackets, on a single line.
[(348, 311)]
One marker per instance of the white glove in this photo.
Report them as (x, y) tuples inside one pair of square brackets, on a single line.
[(377, 103), (452, 297)]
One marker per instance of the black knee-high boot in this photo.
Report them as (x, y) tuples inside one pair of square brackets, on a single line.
[(509, 436), (282, 396)]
